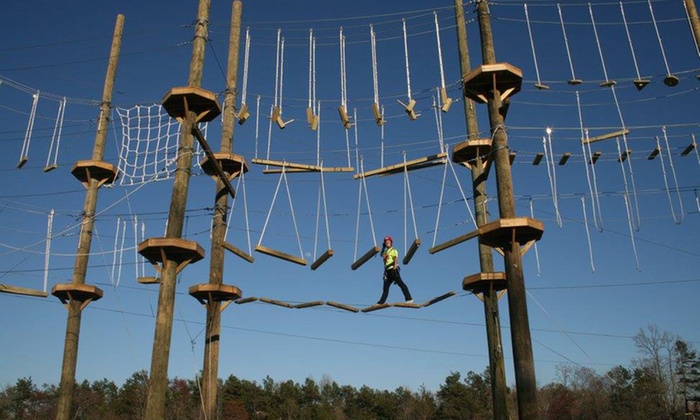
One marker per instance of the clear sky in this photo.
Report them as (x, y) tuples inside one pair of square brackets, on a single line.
[(593, 280)]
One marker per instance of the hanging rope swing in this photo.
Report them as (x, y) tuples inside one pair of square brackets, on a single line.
[(446, 100), (408, 107), (276, 114), (343, 108), (378, 116), (407, 195), (639, 83), (311, 117), (243, 113)]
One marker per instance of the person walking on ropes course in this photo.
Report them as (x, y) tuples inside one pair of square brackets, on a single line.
[(392, 274)]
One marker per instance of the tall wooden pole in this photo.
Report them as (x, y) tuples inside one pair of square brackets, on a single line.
[(526, 383), (70, 349), (694, 21), (216, 265), (491, 312), (158, 382)]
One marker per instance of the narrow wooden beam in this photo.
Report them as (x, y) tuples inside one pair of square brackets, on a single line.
[(239, 252), (654, 153), (538, 159), (401, 166), (458, 240), (343, 306), (323, 258), (439, 299), (564, 158), (412, 250), (595, 157), (308, 304), (4, 288), (215, 163), (281, 255), (606, 136), (363, 259)]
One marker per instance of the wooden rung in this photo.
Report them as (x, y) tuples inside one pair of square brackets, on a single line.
[(4, 288), (412, 250), (287, 165), (246, 300), (564, 158), (483, 282), (276, 302), (50, 168), (343, 306), (608, 83), (624, 155), (452, 242), (406, 305), (511, 157), (344, 117), (22, 162), (378, 117), (409, 165), (280, 255), (323, 258), (595, 157), (237, 251), (308, 304), (439, 299), (574, 82), (606, 136), (243, 114), (538, 159), (375, 307), (540, 86), (654, 153), (147, 280), (446, 100), (688, 149), (363, 259)]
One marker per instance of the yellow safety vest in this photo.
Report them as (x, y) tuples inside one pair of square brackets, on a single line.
[(390, 255)]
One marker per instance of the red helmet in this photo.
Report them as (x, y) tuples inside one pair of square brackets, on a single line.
[(388, 238)]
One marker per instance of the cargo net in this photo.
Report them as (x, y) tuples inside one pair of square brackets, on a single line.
[(149, 144)]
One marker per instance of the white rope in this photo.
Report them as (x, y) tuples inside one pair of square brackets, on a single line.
[(597, 41), (677, 218), (532, 43), (692, 32), (357, 140), (321, 196), (269, 132), (277, 67), (313, 73), (244, 90), (632, 230), (343, 79), (136, 244), (566, 43), (697, 153), (407, 187), (629, 38), (442, 193), (325, 209), (121, 254), (381, 142), (405, 49), (697, 200), (347, 147), (47, 251), (114, 253), (272, 205), (375, 75), (318, 132), (552, 173), (591, 175), (369, 208), (635, 222), (658, 36), (357, 221), (24, 154), (439, 50), (291, 208), (281, 75), (537, 252), (56, 136), (143, 238), (311, 63), (461, 190), (257, 125), (438, 118), (588, 232)]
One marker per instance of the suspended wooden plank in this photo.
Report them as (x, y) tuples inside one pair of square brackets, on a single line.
[(276, 302), (344, 118), (688, 149), (416, 167), (238, 252), (323, 258), (243, 114), (452, 242), (412, 250), (409, 165), (606, 136), (406, 305), (343, 306), (511, 158), (654, 153), (363, 259), (565, 157), (375, 307), (439, 299), (288, 166), (623, 157), (323, 169), (608, 83), (595, 157), (246, 300), (4, 288), (280, 255), (538, 159), (308, 304)]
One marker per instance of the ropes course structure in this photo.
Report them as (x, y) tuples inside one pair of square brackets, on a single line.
[(615, 131)]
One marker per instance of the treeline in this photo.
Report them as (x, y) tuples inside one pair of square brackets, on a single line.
[(661, 384)]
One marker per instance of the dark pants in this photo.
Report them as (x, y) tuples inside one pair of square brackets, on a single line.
[(393, 276)]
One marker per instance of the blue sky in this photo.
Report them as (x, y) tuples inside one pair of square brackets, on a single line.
[(587, 294)]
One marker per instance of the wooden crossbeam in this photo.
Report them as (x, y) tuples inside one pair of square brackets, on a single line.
[(281, 255), (606, 136), (342, 306), (412, 250), (236, 251), (363, 259), (323, 258), (4, 288), (287, 165), (409, 165)]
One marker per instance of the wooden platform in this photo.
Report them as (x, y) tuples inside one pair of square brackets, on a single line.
[(85, 170), (605, 136), (466, 152), (208, 292), (4, 288), (200, 101), (281, 255), (499, 233), (479, 84), (181, 251), (406, 305), (410, 165), (230, 163), (83, 293), (481, 282)]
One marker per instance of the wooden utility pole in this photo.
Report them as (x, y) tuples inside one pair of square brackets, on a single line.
[(92, 174), (694, 21), (189, 105), (502, 81), (216, 296), (489, 294)]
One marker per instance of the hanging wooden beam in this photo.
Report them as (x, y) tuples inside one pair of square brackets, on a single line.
[(308, 304), (689, 149), (216, 165), (276, 302), (343, 306), (538, 159), (412, 250), (564, 158), (318, 169), (246, 300), (654, 153), (399, 167), (363, 259), (606, 136), (595, 157), (624, 155), (236, 251), (4, 288), (281, 255), (458, 240), (323, 258), (439, 299), (376, 307)]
